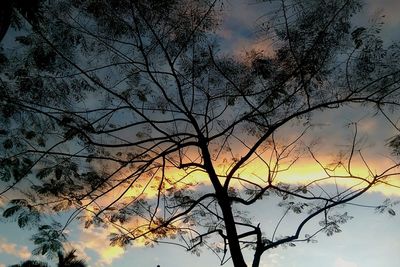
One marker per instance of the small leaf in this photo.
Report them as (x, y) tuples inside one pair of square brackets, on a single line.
[(391, 212), (43, 173), (44, 227), (25, 40), (27, 161), (88, 223), (140, 135), (29, 135), (231, 100), (71, 133), (44, 249), (11, 211), (66, 120), (142, 96), (8, 144), (356, 36), (21, 202), (296, 209), (61, 206), (41, 142), (23, 219), (5, 175), (58, 173), (357, 32)]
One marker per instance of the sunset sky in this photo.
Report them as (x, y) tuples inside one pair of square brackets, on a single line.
[(368, 240)]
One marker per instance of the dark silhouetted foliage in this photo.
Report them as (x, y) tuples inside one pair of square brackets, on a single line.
[(131, 115)]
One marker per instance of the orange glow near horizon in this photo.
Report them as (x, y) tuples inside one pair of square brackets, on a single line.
[(304, 171)]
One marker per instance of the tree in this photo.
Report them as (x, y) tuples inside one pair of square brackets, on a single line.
[(30, 263), (67, 260), (29, 9), (125, 114)]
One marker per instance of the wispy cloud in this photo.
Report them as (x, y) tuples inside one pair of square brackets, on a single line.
[(21, 252)]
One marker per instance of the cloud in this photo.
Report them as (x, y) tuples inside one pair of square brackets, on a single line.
[(96, 240), (274, 260), (368, 125), (344, 263), (21, 252), (238, 32)]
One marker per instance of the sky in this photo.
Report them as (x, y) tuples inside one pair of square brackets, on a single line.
[(368, 240)]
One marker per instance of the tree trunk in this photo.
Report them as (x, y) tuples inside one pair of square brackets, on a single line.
[(231, 233), (257, 258), (224, 203)]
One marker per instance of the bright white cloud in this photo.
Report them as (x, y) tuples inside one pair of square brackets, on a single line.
[(96, 240), (21, 252), (273, 260), (344, 263)]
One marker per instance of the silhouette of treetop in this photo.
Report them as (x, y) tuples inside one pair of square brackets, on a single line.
[(132, 115)]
